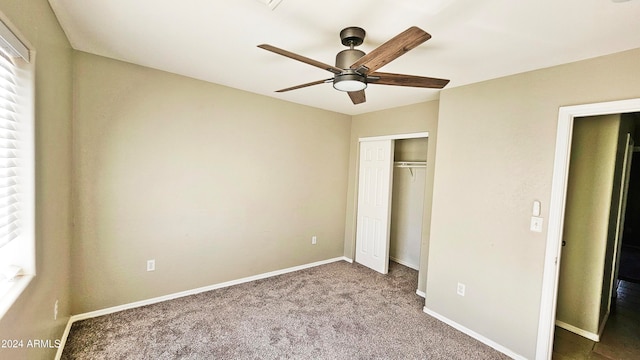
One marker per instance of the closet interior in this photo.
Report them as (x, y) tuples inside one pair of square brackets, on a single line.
[(407, 201)]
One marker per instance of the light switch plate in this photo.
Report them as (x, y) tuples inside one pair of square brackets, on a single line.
[(536, 208), (536, 224)]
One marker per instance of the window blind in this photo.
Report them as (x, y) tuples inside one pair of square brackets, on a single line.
[(17, 166), (11, 49), (9, 148)]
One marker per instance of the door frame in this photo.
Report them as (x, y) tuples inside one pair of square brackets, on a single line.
[(566, 116), (393, 137)]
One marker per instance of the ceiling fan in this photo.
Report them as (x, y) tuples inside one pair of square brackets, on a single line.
[(354, 69)]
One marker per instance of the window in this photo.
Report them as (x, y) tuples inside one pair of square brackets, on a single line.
[(17, 175)]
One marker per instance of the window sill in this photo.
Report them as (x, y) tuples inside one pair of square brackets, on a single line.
[(11, 290)]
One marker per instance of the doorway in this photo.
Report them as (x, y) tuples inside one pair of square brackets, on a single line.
[(593, 218), (600, 156), (381, 217), (566, 116)]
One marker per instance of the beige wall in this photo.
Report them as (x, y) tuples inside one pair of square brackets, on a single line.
[(213, 183), (589, 194), (31, 317), (402, 120), (495, 157)]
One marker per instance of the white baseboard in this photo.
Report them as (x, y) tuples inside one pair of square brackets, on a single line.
[(350, 261), (603, 324), (421, 294), (177, 295), (474, 335), (588, 334), (63, 340), (405, 263)]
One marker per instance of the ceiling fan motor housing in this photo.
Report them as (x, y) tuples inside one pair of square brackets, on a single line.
[(346, 58), (352, 36)]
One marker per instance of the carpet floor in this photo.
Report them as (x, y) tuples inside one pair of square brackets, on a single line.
[(333, 311)]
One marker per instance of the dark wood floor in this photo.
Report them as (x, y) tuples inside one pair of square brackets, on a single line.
[(621, 336)]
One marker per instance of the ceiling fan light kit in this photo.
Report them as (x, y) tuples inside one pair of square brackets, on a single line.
[(349, 82), (354, 69)]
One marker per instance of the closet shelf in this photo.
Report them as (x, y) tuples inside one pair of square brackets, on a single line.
[(410, 164)]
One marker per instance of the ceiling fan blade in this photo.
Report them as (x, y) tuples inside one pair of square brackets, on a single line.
[(382, 78), (357, 97), (391, 50), (305, 85), (301, 58)]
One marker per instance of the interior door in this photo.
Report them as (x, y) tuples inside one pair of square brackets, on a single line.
[(374, 204)]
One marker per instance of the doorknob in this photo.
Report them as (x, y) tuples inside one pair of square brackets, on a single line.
[(564, 243)]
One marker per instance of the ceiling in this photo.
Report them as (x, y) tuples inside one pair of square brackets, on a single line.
[(472, 40)]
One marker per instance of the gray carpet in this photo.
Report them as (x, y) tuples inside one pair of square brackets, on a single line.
[(334, 311)]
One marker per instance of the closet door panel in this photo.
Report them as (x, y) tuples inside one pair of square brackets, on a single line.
[(374, 204)]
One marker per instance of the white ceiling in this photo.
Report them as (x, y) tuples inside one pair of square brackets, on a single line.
[(473, 40)]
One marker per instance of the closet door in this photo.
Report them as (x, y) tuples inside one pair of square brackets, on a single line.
[(374, 204)]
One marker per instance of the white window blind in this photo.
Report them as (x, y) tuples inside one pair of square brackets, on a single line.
[(9, 151), (17, 166), (10, 210)]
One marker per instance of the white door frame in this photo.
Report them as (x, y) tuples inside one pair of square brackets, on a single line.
[(416, 135), (566, 115)]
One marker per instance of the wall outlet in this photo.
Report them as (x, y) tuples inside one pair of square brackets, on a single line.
[(314, 240), (461, 289), (151, 265), (55, 310)]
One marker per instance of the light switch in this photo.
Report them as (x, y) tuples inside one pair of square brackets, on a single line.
[(536, 208), (536, 224)]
